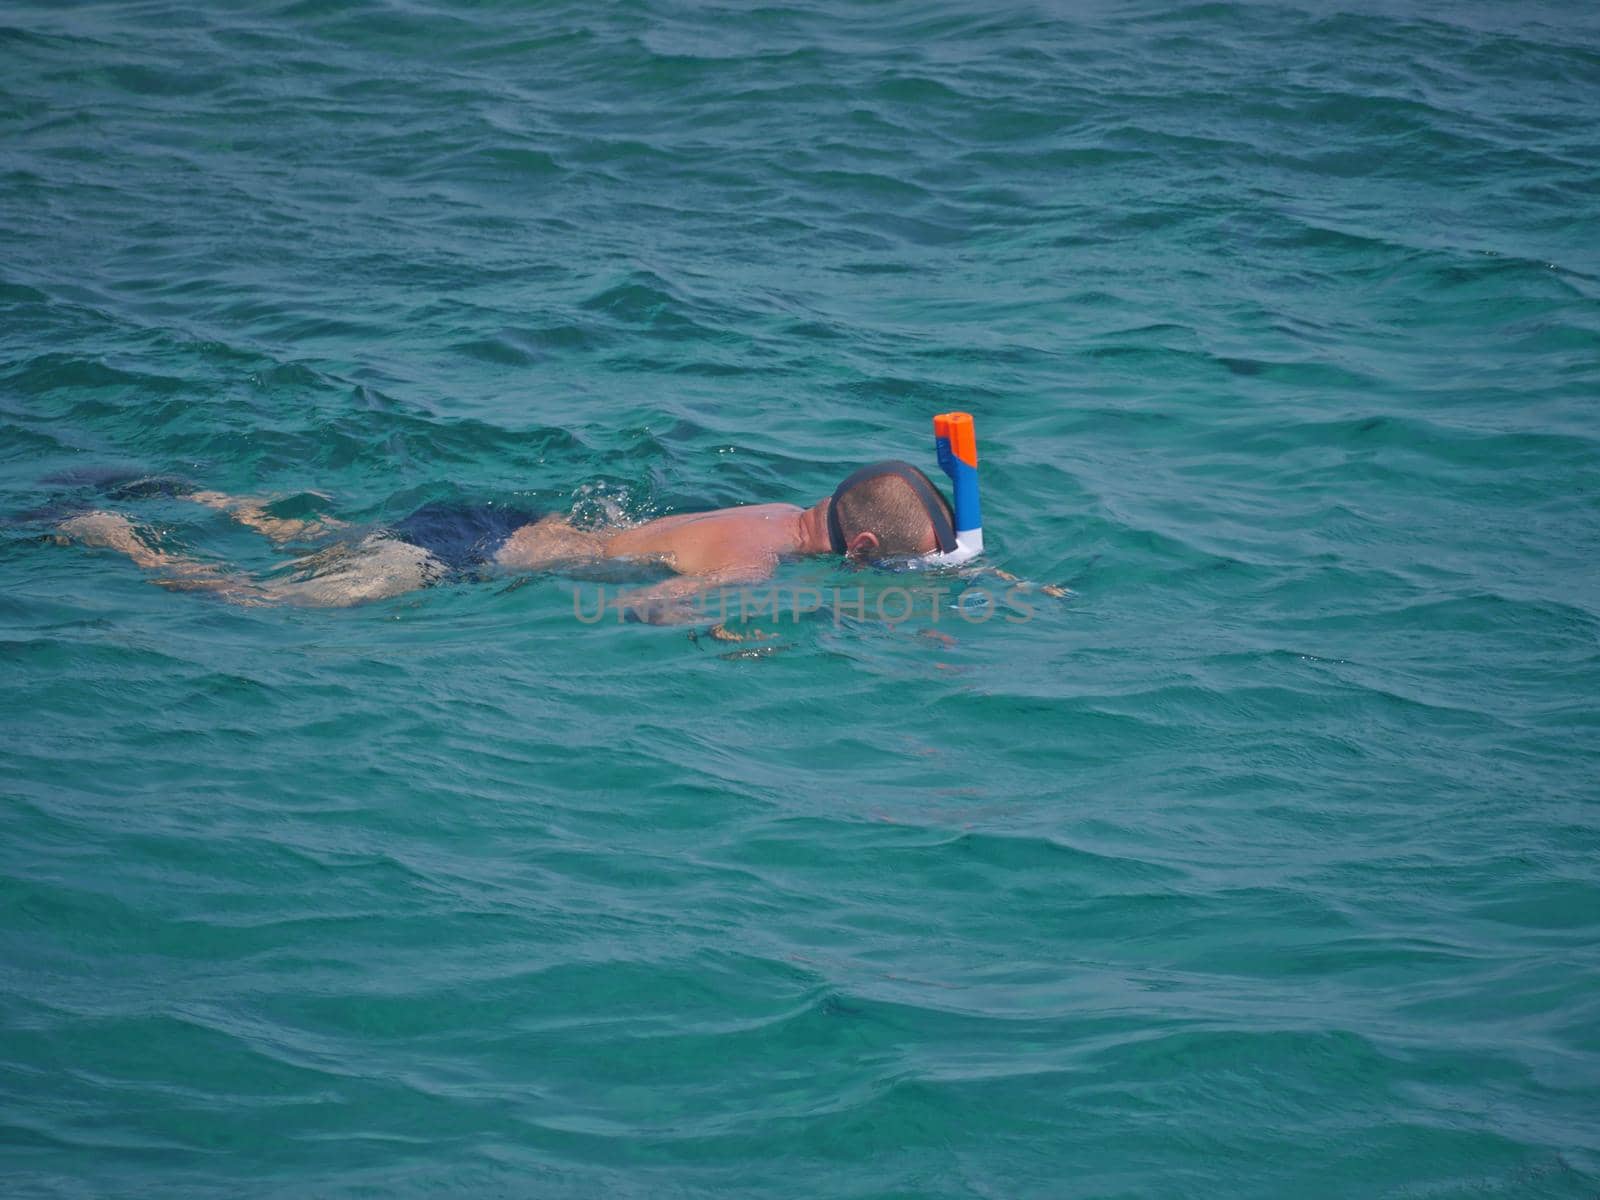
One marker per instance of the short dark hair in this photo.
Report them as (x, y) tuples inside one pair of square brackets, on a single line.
[(888, 507)]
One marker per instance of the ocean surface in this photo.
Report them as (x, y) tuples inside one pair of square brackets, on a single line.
[(1260, 863)]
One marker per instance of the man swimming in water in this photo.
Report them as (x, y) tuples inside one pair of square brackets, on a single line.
[(886, 511)]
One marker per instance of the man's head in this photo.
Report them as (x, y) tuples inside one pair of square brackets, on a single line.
[(889, 510)]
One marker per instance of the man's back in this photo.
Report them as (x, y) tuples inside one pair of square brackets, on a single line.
[(700, 543)]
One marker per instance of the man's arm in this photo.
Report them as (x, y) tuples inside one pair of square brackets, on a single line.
[(673, 602)]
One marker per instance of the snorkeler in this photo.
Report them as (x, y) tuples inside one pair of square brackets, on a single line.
[(887, 511)]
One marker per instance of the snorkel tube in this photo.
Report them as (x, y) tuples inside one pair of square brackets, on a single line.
[(956, 443)]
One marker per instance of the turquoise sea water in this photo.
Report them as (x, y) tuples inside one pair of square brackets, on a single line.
[(1262, 865)]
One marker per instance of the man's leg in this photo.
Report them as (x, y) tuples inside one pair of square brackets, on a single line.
[(252, 513), (373, 569), (113, 531)]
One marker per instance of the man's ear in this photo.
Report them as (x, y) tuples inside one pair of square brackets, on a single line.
[(862, 545)]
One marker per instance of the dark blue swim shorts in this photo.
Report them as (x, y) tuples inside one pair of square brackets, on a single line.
[(463, 536)]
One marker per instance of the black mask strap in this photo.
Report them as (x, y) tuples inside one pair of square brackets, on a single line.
[(944, 534)]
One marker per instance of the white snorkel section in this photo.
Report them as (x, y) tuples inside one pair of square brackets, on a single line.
[(956, 442), (969, 544)]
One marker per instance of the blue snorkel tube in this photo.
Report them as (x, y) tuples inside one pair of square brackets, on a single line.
[(955, 441)]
